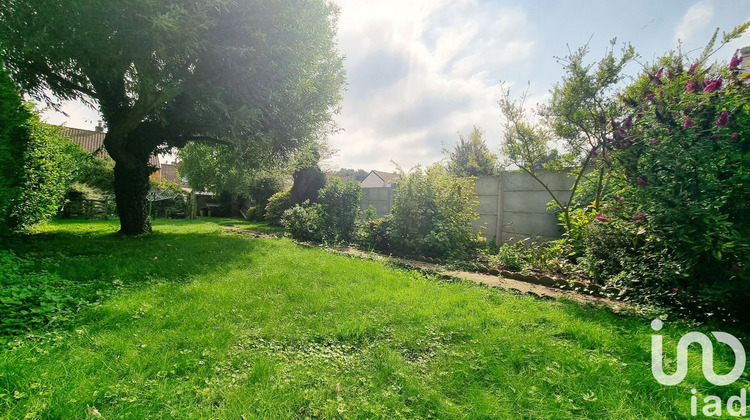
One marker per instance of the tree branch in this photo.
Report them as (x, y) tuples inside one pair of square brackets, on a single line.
[(70, 85)]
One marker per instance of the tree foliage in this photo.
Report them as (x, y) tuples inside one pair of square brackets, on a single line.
[(584, 114), (263, 76), (471, 156)]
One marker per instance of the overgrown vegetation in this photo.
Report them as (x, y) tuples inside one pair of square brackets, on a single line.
[(663, 210), (37, 163), (331, 219), (194, 321)]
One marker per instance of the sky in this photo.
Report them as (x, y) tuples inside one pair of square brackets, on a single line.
[(419, 72)]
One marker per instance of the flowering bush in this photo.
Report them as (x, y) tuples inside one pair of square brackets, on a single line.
[(687, 165)]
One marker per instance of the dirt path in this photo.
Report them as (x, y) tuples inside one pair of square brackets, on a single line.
[(486, 279)]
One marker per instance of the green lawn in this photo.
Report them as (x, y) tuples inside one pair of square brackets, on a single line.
[(198, 322)]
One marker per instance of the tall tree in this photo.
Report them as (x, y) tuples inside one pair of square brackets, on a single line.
[(471, 156), (583, 114), (262, 76)]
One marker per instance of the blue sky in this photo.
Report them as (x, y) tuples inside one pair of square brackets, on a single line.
[(421, 71)]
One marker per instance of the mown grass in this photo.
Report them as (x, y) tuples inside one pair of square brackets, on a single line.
[(198, 322)]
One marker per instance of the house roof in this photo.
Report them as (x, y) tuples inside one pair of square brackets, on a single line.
[(385, 176), (169, 173), (93, 142)]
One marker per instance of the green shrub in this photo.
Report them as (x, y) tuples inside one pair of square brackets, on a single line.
[(508, 256), (97, 173), (304, 221), (37, 170), (369, 214), (376, 234), (332, 219), (340, 206), (260, 191), (276, 205), (433, 214)]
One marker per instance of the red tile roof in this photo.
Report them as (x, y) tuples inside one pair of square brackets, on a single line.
[(93, 142)]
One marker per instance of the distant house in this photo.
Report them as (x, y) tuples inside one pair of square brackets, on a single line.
[(378, 179), (169, 172), (93, 142)]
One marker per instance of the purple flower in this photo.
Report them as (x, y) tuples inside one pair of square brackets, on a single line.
[(692, 68), (689, 88), (601, 218), (650, 97), (712, 85), (723, 119), (688, 123), (642, 182), (638, 216), (628, 123), (735, 135), (736, 60), (658, 73), (617, 198)]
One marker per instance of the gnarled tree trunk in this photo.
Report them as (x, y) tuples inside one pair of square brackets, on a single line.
[(131, 189), (130, 148)]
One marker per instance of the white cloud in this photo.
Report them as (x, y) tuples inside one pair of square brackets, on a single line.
[(455, 52), (694, 20)]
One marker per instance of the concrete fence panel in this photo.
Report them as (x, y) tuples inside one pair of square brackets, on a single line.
[(511, 206)]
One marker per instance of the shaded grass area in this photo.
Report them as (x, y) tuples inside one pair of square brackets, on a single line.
[(197, 322)]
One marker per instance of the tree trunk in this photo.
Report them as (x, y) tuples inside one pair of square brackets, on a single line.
[(131, 189)]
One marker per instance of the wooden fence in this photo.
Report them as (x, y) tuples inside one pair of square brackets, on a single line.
[(86, 209)]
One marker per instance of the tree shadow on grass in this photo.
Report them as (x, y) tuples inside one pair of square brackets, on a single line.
[(88, 261)]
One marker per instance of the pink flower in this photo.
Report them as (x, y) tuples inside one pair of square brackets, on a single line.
[(736, 60), (658, 73), (638, 216), (651, 97), (601, 218), (712, 85), (617, 198), (689, 88), (692, 68), (655, 140), (642, 182), (735, 135), (675, 290), (723, 119), (688, 123)]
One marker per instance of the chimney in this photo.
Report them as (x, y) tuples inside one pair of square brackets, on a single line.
[(99, 127)]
